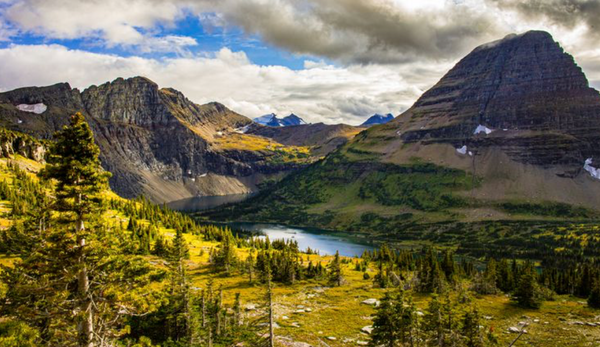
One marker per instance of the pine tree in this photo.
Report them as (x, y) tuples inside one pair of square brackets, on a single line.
[(75, 284), (471, 330), (385, 323), (594, 298), (335, 270), (528, 293), (73, 162)]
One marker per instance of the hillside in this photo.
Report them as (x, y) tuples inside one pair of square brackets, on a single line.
[(308, 309), (508, 134), (155, 141)]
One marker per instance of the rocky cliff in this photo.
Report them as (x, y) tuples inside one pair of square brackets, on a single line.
[(155, 141)]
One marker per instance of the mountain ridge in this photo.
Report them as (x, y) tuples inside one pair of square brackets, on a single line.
[(155, 141)]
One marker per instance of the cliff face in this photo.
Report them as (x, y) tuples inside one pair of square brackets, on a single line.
[(155, 141), (524, 89)]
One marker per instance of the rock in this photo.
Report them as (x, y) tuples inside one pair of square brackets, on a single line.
[(331, 338), (374, 302), (308, 309), (514, 330), (536, 320), (300, 311), (367, 329)]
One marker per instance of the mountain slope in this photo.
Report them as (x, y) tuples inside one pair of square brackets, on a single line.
[(505, 134), (155, 141), (322, 138)]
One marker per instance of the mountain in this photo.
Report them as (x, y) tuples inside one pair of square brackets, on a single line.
[(510, 132), (292, 119), (321, 138), (267, 119), (154, 140), (377, 119), (272, 120)]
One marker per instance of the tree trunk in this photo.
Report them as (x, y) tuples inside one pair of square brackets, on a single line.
[(271, 316), (85, 327)]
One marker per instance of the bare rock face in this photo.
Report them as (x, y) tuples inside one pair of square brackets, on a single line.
[(531, 96), (155, 141), (12, 143)]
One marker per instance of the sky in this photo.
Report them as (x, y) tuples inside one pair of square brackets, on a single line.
[(328, 61)]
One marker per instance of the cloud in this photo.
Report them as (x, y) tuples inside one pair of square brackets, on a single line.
[(566, 13), (351, 31), (321, 93), (347, 32), (114, 22)]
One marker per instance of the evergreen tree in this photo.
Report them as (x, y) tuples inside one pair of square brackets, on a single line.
[(594, 298), (528, 293), (75, 284), (335, 270), (73, 162), (395, 321), (471, 331)]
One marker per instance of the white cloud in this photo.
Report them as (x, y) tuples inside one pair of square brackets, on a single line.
[(320, 93), (114, 22)]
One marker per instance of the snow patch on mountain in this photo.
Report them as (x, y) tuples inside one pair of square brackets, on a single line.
[(482, 129), (33, 108), (594, 172), (271, 120)]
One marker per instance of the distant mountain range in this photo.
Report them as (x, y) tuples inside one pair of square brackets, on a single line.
[(377, 119), (271, 120)]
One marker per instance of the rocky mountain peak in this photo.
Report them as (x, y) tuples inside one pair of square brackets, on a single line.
[(134, 100), (525, 88)]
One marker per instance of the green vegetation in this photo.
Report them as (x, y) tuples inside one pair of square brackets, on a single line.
[(157, 278)]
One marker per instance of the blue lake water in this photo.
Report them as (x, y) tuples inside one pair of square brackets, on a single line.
[(325, 242)]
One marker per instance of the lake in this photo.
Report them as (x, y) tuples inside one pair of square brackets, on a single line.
[(325, 242)]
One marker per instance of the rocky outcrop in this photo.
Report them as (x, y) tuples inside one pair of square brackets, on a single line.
[(155, 141), (12, 143)]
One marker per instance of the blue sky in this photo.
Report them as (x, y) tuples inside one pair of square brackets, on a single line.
[(209, 41)]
